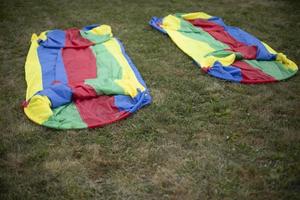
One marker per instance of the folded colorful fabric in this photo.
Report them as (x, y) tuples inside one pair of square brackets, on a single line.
[(224, 51), (81, 78)]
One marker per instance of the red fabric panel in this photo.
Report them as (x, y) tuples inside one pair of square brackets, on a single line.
[(83, 91), (99, 111), (74, 39), (251, 74), (219, 33), (80, 62)]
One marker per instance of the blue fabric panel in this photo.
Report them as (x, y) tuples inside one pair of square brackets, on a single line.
[(126, 103), (53, 69), (50, 57), (55, 39), (59, 94), (47, 58), (60, 71), (229, 73), (154, 23), (90, 27)]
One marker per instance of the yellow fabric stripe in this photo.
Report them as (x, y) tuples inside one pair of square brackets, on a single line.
[(286, 62), (171, 23), (101, 30), (129, 82), (196, 15), (270, 50), (33, 71), (42, 35), (289, 64), (194, 48), (225, 61), (198, 50), (38, 109)]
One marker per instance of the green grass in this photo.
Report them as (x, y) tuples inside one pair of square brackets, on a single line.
[(201, 138)]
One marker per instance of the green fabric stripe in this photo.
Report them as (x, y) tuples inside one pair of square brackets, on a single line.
[(65, 117), (95, 38), (108, 70), (225, 53), (272, 68)]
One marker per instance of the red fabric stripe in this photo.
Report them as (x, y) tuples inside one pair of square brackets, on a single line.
[(251, 74), (219, 33), (83, 91), (99, 111), (80, 62), (74, 39)]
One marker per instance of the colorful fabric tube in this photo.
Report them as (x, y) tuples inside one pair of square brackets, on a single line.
[(223, 51), (81, 78)]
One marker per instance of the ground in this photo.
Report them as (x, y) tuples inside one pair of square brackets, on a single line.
[(201, 138)]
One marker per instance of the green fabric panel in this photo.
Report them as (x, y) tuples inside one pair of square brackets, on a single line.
[(225, 53), (272, 68), (179, 14), (95, 38), (108, 70), (65, 117)]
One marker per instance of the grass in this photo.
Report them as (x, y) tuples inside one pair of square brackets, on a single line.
[(201, 138)]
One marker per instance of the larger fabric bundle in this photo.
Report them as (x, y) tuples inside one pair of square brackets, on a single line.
[(81, 78), (224, 51)]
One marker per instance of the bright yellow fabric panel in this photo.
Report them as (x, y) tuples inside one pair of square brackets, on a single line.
[(198, 50), (190, 46), (289, 64), (225, 61), (286, 62), (38, 109), (171, 23), (196, 15), (129, 82), (33, 71), (101, 30)]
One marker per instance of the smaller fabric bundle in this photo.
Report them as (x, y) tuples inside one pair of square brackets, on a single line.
[(223, 51), (81, 78)]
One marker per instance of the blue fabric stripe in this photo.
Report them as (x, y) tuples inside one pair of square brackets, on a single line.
[(55, 39), (154, 23), (229, 73), (50, 57), (53, 70), (126, 103), (47, 58), (90, 27), (59, 94), (60, 71)]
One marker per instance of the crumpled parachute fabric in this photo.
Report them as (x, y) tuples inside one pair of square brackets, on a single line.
[(223, 51), (81, 78)]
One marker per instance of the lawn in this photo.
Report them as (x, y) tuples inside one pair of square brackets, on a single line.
[(201, 138)]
